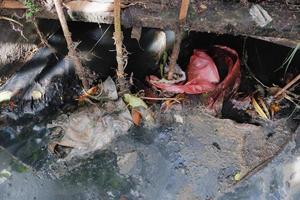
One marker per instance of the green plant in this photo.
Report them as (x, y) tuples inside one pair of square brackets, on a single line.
[(286, 63), (32, 8)]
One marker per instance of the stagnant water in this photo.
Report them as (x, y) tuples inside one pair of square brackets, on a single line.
[(170, 161)]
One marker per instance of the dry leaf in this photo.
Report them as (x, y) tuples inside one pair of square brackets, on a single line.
[(264, 107), (136, 117), (258, 109), (91, 91)]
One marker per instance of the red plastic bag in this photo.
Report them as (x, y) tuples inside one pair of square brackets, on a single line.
[(203, 76)]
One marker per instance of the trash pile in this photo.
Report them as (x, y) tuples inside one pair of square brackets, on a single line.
[(100, 114)]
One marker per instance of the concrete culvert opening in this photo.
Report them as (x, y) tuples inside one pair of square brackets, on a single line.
[(148, 143)]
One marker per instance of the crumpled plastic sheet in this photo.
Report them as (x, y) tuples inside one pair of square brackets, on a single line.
[(92, 128), (203, 75)]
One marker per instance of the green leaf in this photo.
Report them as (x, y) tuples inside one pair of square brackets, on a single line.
[(237, 176), (134, 101), (5, 173)]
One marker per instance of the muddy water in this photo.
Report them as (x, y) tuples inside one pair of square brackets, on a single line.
[(182, 161)]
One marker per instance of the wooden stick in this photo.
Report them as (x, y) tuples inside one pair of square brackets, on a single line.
[(72, 52), (183, 10), (292, 82), (176, 48)]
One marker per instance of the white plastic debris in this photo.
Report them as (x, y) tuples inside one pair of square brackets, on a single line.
[(4, 175), (5, 96), (178, 118), (260, 15)]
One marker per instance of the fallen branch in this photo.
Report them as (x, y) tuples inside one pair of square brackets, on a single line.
[(176, 48), (72, 51), (297, 78)]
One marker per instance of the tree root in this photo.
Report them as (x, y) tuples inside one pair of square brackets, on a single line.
[(72, 51), (118, 37), (176, 48)]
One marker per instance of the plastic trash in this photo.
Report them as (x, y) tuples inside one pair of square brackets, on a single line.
[(202, 73)]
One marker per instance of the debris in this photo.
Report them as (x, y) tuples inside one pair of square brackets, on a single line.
[(134, 101), (5, 96), (166, 105), (259, 110), (262, 103), (260, 15), (203, 76), (237, 176), (136, 117), (178, 75), (36, 95), (178, 119), (4, 175), (91, 128), (274, 108), (108, 91), (136, 33), (292, 82)]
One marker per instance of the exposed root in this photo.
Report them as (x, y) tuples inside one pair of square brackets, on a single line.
[(174, 55), (72, 51), (176, 48), (118, 37), (11, 20)]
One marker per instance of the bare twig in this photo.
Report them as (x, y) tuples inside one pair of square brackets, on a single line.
[(72, 52), (297, 78), (176, 48), (42, 37), (11, 20), (158, 98)]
